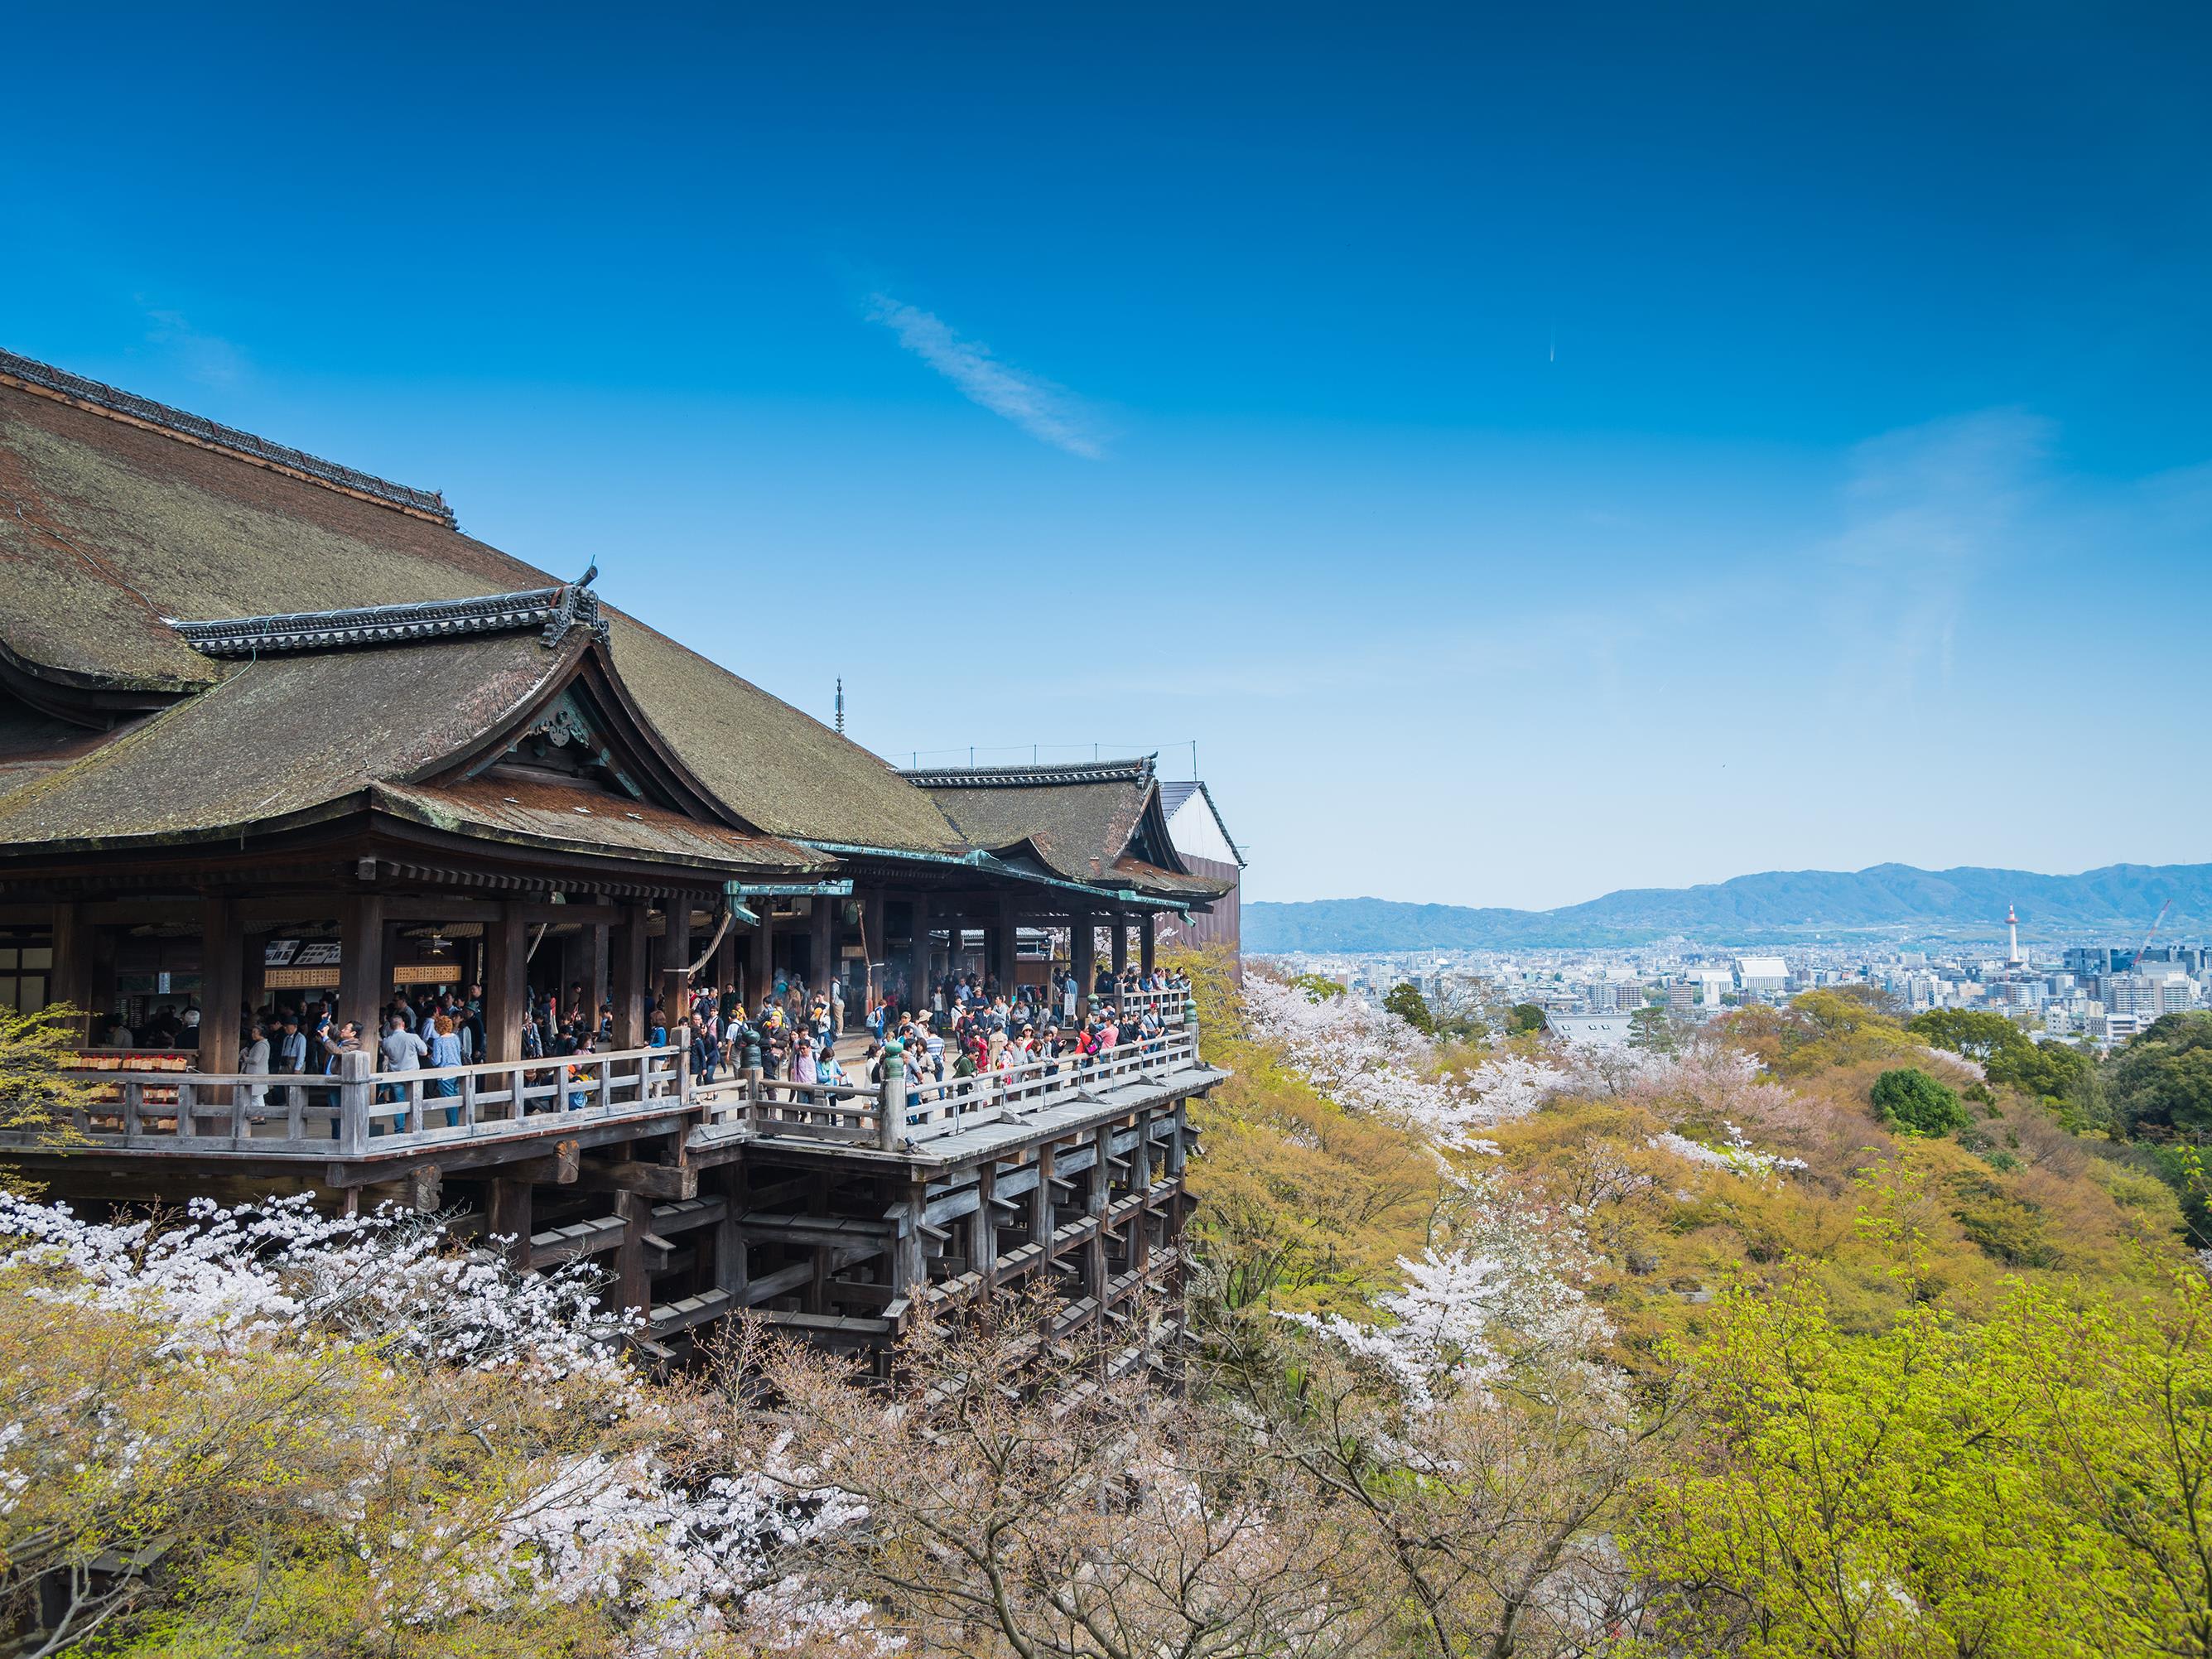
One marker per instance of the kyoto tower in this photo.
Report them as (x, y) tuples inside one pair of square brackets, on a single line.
[(2012, 932)]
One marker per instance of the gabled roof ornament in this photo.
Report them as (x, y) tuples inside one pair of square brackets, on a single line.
[(553, 610), (577, 607), (1136, 770)]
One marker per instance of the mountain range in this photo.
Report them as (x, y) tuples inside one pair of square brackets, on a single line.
[(1892, 900)]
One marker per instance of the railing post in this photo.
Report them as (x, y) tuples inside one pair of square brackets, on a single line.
[(890, 1106), (357, 1092), (134, 1103), (186, 1129), (756, 1098)]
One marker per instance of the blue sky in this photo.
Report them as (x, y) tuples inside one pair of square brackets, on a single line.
[(1529, 451)]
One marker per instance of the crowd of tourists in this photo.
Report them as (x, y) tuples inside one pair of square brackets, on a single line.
[(965, 1025)]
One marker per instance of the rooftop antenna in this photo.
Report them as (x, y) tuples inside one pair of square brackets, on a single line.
[(841, 705)]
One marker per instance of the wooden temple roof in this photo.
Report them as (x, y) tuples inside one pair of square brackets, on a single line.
[(125, 527), (1090, 821)]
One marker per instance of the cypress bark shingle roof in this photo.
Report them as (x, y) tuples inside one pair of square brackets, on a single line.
[(110, 522), (1088, 821)]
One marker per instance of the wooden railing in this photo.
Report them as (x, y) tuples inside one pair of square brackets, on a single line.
[(362, 1110), (922, 1109), (1173, 1007)]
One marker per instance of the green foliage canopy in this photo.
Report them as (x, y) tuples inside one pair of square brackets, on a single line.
[(1917, 1103), (1409, 1005)]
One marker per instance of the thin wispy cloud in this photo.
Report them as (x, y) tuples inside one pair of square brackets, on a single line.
[(208, 358), (1928, 513), (1047, 412)]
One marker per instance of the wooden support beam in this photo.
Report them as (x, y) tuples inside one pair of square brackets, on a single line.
[(559, 1167), (1040, 1199), (1094, 1206), (872, 942), (510, 1217), (917, 956), (626, 976), (657, 1181), (821, 944), (361, 983), (760, 956), (222, 982), (984, 1228), (71, 982), (426, 1190), (1120, 943), (674, 983), (506, 948), (730, 1261), (633, 1283), (909, 1268), (1083, 953)]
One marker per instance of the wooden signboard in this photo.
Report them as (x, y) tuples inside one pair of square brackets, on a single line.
[(300, 978)]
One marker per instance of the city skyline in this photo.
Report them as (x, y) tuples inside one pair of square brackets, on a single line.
[(1769, 443)]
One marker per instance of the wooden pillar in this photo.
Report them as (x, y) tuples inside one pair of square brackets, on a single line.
[(917, 967), (599, 987), (873, 943), (626, 976), (1041, 1200), (983, 1230), (822, 945), (1139, 1243), (633, 1283), (730, 1272), (1094, 1206), (576, 967), (1147, 944), (725, 961), (222, 982), (361, 983), (506, 994), (509, 1217), (1000, 961), (1082, 954), (760, 956), (1120, 943), (71, 981), (674, 984), (909, 1268)]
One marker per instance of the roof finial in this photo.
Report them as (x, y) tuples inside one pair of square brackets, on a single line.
[(841, 705)]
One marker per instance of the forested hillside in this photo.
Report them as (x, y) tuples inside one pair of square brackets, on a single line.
[(1750, 909), (1809, 1333)]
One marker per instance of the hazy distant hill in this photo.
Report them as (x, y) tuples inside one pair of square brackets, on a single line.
[(2120, 899)]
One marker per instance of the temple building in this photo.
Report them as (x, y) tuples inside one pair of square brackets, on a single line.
[(270, 726), (1201, 838)]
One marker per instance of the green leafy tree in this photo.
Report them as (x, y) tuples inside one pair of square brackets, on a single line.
[(1976, 1033), (1409, 1005), (37, 1096), (1318, 987), (1526, 1017), (1919, 1103), (1650, 1030), (2051, 1071), (2161, 1082), (1875, 1495)]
